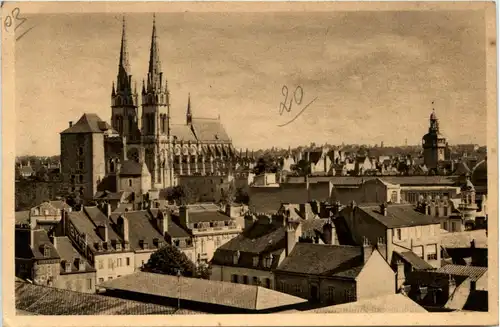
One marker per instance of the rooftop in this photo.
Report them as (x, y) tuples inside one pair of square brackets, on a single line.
[(474, 273), (68, 253), (248, 297), (42, 300), (414, 260), (394, 303), (398, 215), (88, 123), (326, 260), (464, 239)]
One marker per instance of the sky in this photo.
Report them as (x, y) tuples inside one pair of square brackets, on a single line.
[(371, 75)]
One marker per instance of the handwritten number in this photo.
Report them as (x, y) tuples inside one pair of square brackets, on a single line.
[(298, 95), (7, 23), (10, 19)]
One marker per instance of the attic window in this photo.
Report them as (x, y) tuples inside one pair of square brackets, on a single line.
[(255, 261), (46, 251)]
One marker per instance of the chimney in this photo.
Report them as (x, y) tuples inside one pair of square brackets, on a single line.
[(32, 237), (367, 249), (293, 232), (382, 247), (163, 223), (383, 209), (54, 241), (303, 210), (328, 232), (184, 215), (70, 124)]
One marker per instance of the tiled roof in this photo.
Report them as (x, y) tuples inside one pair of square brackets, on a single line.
[(131, 167), (107, 195), (84, 225), (209, 130), (464, 239), (398, 215), (22, 217), (414, 260), (326, 260), (249, 297), (473, 272), (88, 123), (23, 247), (68, 253), (182, 132), (401, 180), (259, 238), (42, 300), (394, 303)]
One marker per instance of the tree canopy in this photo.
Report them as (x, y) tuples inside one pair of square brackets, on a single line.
[(169, 260), (302, 168), (266, 164), (181, 194)]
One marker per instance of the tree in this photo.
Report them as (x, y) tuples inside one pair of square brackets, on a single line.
[(169, 260), (228, 194), (266, 164), (302, 168), (181, 194)]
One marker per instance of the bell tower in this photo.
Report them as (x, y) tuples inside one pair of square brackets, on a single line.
[(433, 143), (156, 119), (124, 116)]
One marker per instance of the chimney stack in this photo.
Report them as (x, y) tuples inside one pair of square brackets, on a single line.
[(70, 124), (163, 223), (367, 249), (383, 209), (184, 215), (249, 221), (293, 232)]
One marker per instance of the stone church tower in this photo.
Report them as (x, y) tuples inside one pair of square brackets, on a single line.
[(434, 144), (156, 120)]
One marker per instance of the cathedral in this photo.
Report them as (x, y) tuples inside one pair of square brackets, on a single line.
[(142, 150)]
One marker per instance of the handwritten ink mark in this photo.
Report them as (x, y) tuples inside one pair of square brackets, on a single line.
[(298, 95), (297, 116), (15, 19), (20, 36)]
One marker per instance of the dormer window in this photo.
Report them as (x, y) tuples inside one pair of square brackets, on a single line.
[(268, 261), (46, 251), (67, 266), (255, 261), (118, 246), (236, 257)]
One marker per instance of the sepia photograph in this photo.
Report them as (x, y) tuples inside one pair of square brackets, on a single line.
[(192, 161)]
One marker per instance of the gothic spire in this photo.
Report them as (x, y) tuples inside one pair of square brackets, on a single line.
[(123, 80), (189, 116), (154, 72)]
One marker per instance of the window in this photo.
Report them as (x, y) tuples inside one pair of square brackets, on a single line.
[(80, 179), (349, 296), (110, 264), (101, 280), (234, 278), (419, 231), (431, 251), (419, 251), (46, 212), (398, 232), (119, 262), (110, 278), (80, 151), (130, 182), (297, 288), (331, 293), (453, 226), (255, 261), (268, 282), (255, 281), (394, 197), (128, 261), (89, 283), (445, 225), (46, 251), (100, 263), (245, 279), (80, 165)]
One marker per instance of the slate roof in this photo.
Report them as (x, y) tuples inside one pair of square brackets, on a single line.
[(140, 228), (23, 247), (68, 253), (88, 123), (393, 303), (401, 180), (183, 132), (473, 272), (326, 260), (414, 260), (398, 215), (42, 300), (207, 216), (99, 218), (259, 238), (130, 168), (464, 239), (209, 130), (249, 297), (84, 225)]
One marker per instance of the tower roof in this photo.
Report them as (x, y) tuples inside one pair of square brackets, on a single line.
[(88, 123), (123, 50), (154, 71)]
